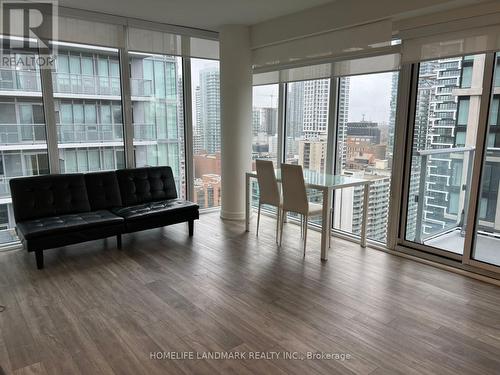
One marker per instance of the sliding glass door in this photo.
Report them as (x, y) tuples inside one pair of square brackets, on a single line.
[(486, 244), (452, 174)]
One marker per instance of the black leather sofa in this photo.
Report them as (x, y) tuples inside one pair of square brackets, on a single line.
[(59, 210)]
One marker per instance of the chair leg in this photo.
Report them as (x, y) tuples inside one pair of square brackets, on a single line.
[(283, 215), (329, 237), (305, 233), (330, 229), (258, 221), (39, 259), (301, 226)]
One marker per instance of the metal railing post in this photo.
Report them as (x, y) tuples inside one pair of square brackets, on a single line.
[(420, 201)]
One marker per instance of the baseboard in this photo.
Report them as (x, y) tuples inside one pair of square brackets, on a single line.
[(232, 215)]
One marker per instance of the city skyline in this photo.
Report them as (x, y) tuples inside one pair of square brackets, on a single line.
[(370, 86)]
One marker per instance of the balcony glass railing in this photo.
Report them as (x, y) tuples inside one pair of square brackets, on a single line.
[(145, 132), (141, 87), (85, 133), (67, 83), (153, 132), (19, 80), (442, 197), (22, 133), (4, 187)]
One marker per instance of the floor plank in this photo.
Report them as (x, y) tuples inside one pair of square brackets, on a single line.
[(98, 310)]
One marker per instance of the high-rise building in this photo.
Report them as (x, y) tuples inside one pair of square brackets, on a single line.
[(206, 139), (88, 116), (157, 112), (315, 108), (307, 120), (392, 118), (312, 154), (342, 119), (208, 109), (447, 118), (426, 86)]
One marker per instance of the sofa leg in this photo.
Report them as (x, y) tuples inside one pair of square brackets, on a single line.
[(191, 228), (119, 241), (39, 259)]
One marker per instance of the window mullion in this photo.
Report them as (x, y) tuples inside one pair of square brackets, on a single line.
[(281, 123), (188, 127), (128, 127), (50, 119), (331, 143), (401, 133)]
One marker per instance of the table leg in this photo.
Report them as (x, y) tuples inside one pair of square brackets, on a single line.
[(247, 202), (326, 222), (364, 223)]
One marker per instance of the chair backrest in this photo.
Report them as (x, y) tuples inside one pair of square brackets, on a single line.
[(268, 186), (294, 189)]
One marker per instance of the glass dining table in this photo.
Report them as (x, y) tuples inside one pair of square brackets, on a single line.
[(326, 183)]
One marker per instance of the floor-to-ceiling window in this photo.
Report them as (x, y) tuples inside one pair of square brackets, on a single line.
[(88, 108), (205, 90), (445, 126), (23, 142), (364, 147), (487, 232), (74, 113), (157, 113)]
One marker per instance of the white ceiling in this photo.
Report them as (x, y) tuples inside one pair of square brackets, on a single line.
[(203, 14)]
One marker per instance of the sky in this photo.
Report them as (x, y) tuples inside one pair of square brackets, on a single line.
[(370, 95)]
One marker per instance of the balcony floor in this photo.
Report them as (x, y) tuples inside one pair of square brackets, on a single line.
[(487, 249)]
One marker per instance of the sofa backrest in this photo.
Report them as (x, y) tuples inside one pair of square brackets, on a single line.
[(49, 195), (142, 185), (103, 190)]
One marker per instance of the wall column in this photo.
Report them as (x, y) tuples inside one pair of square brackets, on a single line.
[(236, 117)]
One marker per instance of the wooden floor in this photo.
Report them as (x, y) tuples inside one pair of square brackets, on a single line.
[(97, 310)]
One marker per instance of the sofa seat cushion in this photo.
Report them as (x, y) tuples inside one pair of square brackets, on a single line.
[(158, 208), (58, 225)]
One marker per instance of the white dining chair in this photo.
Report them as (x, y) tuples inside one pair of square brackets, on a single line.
[(269, 192), (295, 200)]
